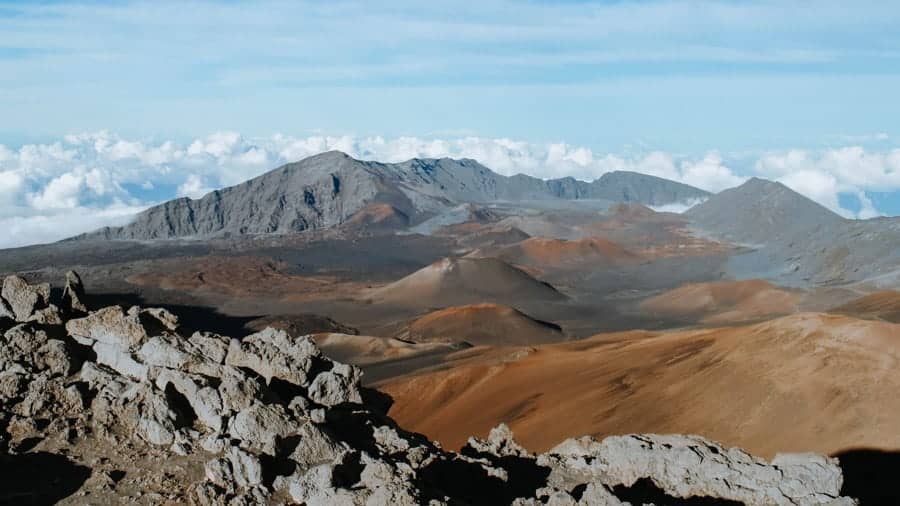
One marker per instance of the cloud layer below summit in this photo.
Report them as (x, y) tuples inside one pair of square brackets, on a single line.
[(53, 190)]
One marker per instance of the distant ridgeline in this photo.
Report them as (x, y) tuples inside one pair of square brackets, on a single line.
[(332, 189)]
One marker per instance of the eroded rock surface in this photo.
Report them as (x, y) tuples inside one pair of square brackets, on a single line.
[(158, 416)]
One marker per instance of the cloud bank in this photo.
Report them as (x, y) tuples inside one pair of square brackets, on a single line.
[(84, 181)]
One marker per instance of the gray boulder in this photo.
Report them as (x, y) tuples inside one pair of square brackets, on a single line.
[(337, 386), (24, 299), (690, 466), (127, 330), (273, 353)]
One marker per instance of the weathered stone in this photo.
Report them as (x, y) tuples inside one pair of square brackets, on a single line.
[(13, 383), (690, 466), (157, 318), (199, 354), (73, 294), (261, 427), (246, 468), (24, 299), (55, 356), (46, 397), (6, 311), (110, 325), (22, 342), (315, 447), (316, 487), (50, 315), (203, 398), (238, 389), (389, 483), (235, 470), (120, 360), (147, 411), (500, 442), (337, 386), (389, 440), (272, 353)]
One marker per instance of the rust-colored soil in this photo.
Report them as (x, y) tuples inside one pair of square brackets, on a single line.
[(482, 324), (724, 301), (883, 305), (805, 382)]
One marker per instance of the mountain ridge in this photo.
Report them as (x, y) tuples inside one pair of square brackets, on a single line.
[(330, 188), (761, 211)]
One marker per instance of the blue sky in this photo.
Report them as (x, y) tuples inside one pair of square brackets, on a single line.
[(782, 89)]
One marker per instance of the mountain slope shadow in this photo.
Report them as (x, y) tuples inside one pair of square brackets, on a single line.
[(870, 475), (39, 478)]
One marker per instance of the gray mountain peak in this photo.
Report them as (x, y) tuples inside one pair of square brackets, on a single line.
[(330, 188)]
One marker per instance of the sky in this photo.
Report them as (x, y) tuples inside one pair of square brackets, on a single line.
[(108, 107)]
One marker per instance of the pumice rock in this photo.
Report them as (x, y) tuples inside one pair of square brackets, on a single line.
[(267, 419)]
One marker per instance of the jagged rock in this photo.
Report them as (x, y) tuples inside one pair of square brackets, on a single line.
[(321, 486), (73, 294), (690, 466), (45, 397), (262, 426), (202, 396), (273, 354), (200, 354), (13, 382), (337, 386), (389, 483), (592, 495), (500, 442), (315, 447), (55, 356), (6, 311), (235, 470), (110, 325), (120, 360), (238, 390), (35, 351), (147, 411), (389, 440), (50, 315), (156, 318), (24, 299)]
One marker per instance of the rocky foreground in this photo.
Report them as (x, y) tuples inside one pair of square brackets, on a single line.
[(124, 405)]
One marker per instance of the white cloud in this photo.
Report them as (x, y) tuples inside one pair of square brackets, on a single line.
[(60, 193), (193, 187), (677, 207), (823, 176), (709, 173), (100, 176), (10, 186), (25, 229)]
